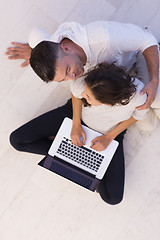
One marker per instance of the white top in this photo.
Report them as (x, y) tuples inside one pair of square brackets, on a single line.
[(104, 117), (101, 41)]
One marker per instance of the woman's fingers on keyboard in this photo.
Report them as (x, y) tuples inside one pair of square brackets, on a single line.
[(77, 141)]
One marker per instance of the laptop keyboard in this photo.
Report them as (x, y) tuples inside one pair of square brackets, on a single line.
[(81, 155)]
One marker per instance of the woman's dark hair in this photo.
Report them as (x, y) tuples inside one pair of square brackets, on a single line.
[(110, 84), (43, 60)]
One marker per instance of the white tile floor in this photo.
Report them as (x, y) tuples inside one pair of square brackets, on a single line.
[(36, 204)]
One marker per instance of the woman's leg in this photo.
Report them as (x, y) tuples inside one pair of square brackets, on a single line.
[(112, 185), (34, 136)]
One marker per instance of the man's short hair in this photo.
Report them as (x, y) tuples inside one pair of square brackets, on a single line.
[(44, 58)]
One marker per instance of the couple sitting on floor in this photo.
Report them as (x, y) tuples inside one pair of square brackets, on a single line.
[(105, 100)]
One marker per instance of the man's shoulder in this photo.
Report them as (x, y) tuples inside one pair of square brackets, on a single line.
[(70, 30), (98, 23), (109, 24)]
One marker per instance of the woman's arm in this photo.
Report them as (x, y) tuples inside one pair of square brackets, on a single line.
[(78, 135), (77, 109), (102, 142)]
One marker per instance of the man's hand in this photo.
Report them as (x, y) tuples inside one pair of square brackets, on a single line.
[(78, 135), (150, 89), (19, 51), (101, 143)]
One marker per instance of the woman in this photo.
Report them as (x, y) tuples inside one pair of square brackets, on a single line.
[(112, 96)]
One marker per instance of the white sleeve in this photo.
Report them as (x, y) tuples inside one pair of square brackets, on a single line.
[(38, 35), (139, 100), (77, 87), (140, 114), (129, 37)]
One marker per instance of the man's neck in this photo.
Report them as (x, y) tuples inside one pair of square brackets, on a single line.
[(77, 49)]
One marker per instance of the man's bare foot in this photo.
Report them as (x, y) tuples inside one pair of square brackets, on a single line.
[(19, 51)]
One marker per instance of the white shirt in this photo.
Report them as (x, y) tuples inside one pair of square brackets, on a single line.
[(104, 117), (101, 41)]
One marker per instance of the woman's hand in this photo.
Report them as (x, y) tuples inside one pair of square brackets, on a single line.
[(101, 143), (78, 135)]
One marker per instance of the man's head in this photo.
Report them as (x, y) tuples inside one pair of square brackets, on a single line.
[(56, 61), (43, 60)]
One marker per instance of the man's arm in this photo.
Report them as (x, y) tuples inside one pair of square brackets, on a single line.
[(151, 56), (102, 142), (19, 51), (132, 38)]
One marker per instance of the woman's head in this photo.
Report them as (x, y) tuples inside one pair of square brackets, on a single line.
[(108, 84)]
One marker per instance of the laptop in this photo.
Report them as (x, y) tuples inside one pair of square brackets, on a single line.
[(81, 165)]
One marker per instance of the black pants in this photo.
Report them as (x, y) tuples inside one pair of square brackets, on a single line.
[(34, 136)]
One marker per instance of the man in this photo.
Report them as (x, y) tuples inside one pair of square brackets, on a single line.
[(74, 49)]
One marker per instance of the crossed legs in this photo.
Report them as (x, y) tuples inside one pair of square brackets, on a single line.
[(34, 136)]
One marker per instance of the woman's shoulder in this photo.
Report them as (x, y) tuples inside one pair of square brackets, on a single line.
[(77, 87)]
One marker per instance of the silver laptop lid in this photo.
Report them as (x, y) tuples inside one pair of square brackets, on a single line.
[(92, 161)]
